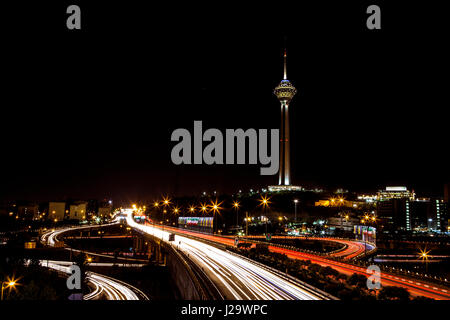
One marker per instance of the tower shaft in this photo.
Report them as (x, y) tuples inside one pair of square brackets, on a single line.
[(285, 91), (285, 163)]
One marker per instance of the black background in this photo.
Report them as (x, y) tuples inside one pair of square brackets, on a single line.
[(89, 113)]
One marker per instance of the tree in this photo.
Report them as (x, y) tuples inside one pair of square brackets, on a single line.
[(393, 293), (329, 271), (357, 280), (314, 267)]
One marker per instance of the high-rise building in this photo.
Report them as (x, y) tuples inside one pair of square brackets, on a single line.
[(394, 214), (285, 91), (419, 215), (394, 208)]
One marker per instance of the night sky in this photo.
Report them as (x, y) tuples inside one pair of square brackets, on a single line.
[(89, 114)]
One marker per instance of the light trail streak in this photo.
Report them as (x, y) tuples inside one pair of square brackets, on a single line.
[(113, 289), (50, 237), (236, 277), (414, 286)]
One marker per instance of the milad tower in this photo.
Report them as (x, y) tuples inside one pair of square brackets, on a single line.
[(285, 91)]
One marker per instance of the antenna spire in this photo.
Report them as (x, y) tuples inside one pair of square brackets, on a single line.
[(285, 70)]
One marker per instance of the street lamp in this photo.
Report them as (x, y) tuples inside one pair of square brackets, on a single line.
[(236, 205), (166, 202), (424, 255), (264, 202), (203, 208), (247, 219), (295, 204), (366, 220), (156, 206), (332, 200), (363, 221), (10, 283), (215, 208)]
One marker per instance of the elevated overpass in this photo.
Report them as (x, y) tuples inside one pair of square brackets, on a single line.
[(235, 277)]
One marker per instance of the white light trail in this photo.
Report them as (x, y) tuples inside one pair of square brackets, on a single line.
[(113, 289), (240, 278)]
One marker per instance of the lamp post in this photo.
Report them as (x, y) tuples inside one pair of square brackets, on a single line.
[(295, 205), (166, 202), (236, 205), (346, 217), (246, 224), (264, 201), (215, 208), (363, 221), (366, 221), (156, 206), (9, 284), (423, 254)]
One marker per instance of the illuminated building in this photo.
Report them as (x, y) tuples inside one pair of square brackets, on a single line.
[(56, 210), (337, 203), (77, 211), (285, 91), (419, 214), (202, 224), (396, 193), (104, 211)]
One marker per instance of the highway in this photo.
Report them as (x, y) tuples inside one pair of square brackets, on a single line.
[(50, 237), (415, 287), (352, 248), (105, 286), (235, 277)]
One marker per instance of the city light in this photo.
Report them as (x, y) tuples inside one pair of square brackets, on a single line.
[(166, 201), (215, 206), (9, 283), (264, 201), (424, 254), (203, 207)]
